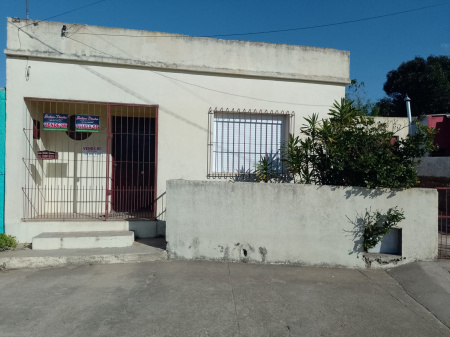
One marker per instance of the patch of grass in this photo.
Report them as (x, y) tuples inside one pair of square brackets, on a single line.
[(7, 242)]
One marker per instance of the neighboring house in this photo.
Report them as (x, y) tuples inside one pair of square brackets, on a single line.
[(434, 169), (434, 172), (398, 125), (100, 118), (441, 123), (2, 158)]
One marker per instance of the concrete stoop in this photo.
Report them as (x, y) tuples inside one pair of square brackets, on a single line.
[(83, 240), (19, 262), (148, 250)]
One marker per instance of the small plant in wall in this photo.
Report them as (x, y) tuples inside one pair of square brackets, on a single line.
[(376, 225)]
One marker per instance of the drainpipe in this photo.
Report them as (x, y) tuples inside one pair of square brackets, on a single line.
[(408, 111)]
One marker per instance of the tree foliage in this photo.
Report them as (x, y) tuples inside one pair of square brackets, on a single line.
[(356, 92), (351, 149), (427, 83)]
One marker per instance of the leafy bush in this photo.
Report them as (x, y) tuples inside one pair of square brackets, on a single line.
[(376, 225), (7, 241), (351, 149)]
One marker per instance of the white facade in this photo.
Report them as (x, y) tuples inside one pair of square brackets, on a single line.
[(179, 78)]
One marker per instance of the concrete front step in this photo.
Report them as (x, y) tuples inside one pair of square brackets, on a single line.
[(147, 250), (82, 240)]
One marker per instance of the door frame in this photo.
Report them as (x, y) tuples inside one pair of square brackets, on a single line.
[(110, 161)]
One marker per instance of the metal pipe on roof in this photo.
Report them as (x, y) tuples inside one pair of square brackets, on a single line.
[(408, 111)]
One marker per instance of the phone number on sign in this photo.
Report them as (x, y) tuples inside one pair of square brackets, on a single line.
[(87, 127), (55, 125)]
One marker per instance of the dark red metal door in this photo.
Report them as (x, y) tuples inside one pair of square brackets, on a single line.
[(133, 165)]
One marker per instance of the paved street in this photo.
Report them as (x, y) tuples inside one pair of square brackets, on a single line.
[(429, 284), (180, 298)]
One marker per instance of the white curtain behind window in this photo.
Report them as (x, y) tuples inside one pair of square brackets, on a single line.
[(241, 139)]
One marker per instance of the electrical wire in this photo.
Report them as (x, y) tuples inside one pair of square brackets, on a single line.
[(280, 30), (70, 11), (330, 24), (236, 95), (206, 88), (70, 37), (188, 83)]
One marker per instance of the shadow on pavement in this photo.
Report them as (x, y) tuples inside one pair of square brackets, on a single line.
[(152, 242)]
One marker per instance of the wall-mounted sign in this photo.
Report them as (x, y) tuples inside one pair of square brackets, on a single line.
[(55, 122), (92, 150), (47, 155), (86, 123)]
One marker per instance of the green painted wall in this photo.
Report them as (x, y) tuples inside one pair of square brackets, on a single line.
[(2, 158)]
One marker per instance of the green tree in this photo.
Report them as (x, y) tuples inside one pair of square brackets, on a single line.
[(427, 83), (356, 92), (385, 107), (351, 149)]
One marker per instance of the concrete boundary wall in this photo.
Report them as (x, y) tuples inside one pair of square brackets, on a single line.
[(290, 223)]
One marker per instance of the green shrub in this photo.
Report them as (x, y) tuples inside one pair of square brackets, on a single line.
[(351, 149), (264, 170), (7, 241)]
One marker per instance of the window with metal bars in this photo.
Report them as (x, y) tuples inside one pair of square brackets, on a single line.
[(238, 139)]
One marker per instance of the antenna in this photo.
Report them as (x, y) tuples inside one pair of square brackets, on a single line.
[(27, 10)]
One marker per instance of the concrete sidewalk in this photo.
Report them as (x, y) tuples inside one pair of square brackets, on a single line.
[(182, 298), (429, 284), (143, 250), (408, 300)]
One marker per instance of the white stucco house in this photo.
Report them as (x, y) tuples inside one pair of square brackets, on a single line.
[(100, 118)]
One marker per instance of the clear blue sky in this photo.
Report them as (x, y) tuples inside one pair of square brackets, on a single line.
[(376, 46)]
